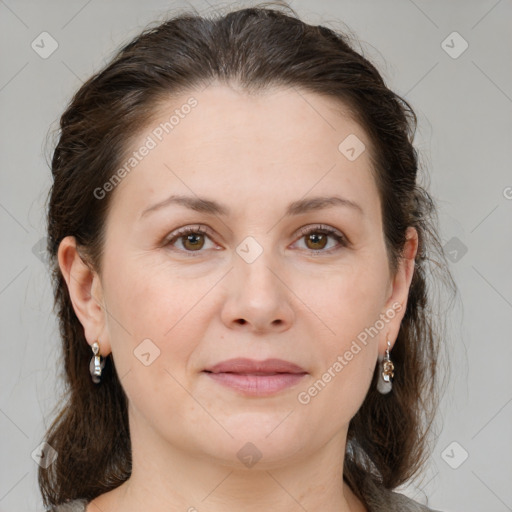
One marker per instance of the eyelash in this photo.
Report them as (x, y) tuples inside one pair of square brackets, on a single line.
[(326, 230)]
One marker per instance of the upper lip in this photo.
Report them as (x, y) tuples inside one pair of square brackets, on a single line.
[(252, 366)]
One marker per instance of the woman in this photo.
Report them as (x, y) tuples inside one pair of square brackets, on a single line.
[(240, 250)]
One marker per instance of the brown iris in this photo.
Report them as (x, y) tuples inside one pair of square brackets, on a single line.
[(196, 241), (317, 238)]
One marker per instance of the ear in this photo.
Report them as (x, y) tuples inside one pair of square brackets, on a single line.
[(400, 284), (86, 294)]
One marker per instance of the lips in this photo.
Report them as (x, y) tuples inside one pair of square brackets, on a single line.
[(253, 378), (245, 366)]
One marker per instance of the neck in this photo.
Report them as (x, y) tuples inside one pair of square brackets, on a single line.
[(166, 477)]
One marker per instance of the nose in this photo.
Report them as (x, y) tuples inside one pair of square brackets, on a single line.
[(257, 298)]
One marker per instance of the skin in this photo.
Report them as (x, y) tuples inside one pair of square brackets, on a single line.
[(255, 154)]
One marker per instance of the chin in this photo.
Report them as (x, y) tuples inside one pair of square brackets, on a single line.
[(253, 445)]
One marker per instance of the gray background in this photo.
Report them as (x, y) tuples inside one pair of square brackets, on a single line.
[(464, 106)]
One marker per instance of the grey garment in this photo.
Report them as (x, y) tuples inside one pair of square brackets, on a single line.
[(378, 498)]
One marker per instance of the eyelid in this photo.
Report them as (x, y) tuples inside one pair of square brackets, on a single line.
[(320, 227), (193, 228)]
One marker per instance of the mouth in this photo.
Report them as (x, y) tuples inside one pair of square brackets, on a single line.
[(256, 378)]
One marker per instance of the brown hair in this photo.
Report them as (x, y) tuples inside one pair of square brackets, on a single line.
[(254, 48)]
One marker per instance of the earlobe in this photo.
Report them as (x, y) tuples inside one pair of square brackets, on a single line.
[(85, 291)]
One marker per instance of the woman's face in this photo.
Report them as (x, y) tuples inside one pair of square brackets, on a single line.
[(251, 283)]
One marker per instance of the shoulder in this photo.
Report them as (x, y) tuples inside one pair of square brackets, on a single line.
[(380, 499), (70, 506)]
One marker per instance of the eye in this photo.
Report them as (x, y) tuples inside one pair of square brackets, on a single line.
[(191, 238), (317, 238)]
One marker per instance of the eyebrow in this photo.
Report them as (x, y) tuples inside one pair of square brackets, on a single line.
[(208, 206)]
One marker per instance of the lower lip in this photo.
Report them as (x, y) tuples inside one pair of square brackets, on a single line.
[(257, 385)]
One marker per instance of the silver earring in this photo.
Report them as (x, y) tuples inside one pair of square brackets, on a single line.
[(387, 368), (96, 364)]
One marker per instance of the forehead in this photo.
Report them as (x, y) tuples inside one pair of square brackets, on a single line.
[(277, 117), (222, 142)]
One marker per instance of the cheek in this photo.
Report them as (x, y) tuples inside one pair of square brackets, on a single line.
[(349, 304), (157, 327), (350, 307), (345, 370), (152, 318), (148, 296), (351, 298)]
